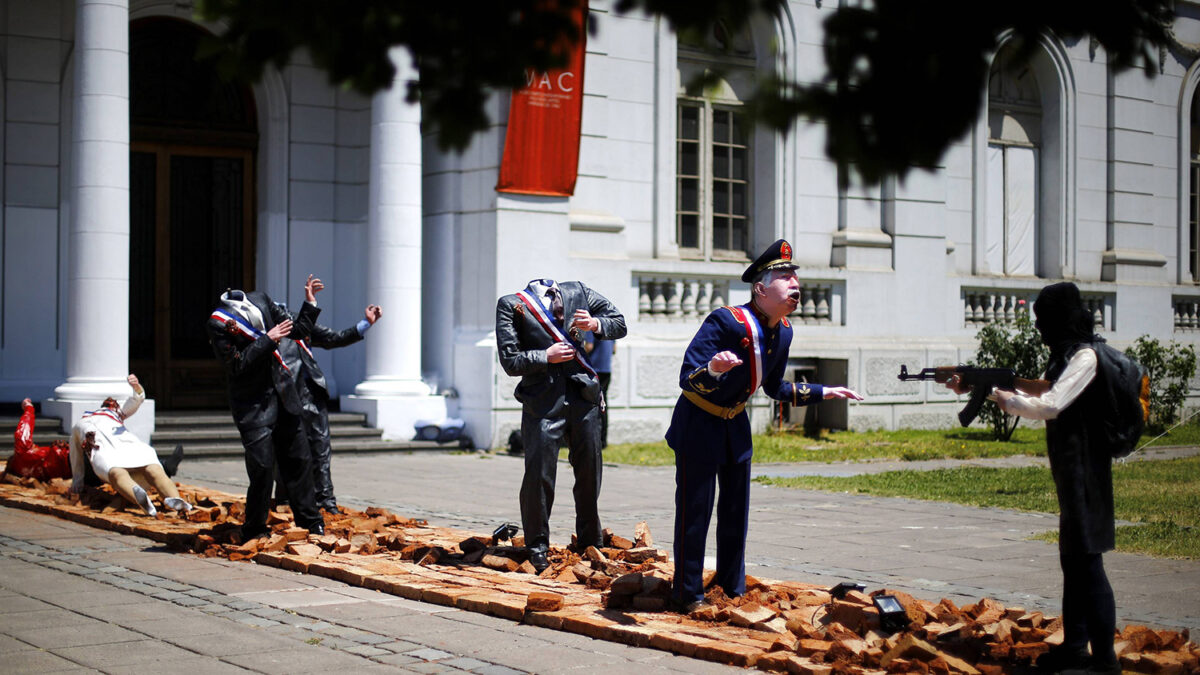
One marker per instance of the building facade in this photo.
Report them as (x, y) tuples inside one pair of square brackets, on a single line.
[(137, 186)]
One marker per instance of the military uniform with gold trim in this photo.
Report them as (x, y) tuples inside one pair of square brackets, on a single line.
[(710, 434)]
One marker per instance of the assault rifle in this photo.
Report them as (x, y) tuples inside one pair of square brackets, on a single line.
[(980, 380)]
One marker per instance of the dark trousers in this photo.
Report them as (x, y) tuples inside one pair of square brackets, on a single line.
[(604, 379), (578, 421), (1089, 609), (316, 429), (286, 444), (696, 484)]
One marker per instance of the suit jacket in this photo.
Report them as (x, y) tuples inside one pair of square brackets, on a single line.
[(705, 436), (521, 343), (257, 382), (319, 336)]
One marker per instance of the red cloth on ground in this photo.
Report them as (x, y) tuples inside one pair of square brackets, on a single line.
[(35, 461)]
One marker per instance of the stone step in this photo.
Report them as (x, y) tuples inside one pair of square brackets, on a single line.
[(212, 434), (209, 450), (193, 419), (221, 433)]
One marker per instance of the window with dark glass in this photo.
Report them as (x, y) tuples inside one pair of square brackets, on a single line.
[(712, 165)]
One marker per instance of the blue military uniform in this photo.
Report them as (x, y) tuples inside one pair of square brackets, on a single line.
[(710, 434)]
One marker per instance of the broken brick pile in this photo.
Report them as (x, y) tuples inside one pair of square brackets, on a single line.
[(618, 593)]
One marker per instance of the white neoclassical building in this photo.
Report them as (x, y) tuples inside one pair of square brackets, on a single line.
[(137, 186)]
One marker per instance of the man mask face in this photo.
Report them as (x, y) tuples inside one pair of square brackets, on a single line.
[(110, 403), (778, 294)]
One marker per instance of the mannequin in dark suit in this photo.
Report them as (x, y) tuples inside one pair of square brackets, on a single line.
[(539, 338), (253, 338), (314, 391)]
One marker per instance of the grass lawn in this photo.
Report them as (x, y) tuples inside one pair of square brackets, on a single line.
[(909, 444), (1163, 495)]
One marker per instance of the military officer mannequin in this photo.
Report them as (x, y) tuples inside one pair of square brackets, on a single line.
[(736, 350)]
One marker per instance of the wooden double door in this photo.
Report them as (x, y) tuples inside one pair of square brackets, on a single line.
[(191, 238)]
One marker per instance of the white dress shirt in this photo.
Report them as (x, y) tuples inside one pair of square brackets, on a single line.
[(1078, 374)]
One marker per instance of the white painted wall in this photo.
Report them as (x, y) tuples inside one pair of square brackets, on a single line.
[(897, 304)]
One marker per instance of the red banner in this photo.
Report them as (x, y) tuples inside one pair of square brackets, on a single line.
[(541, 147)]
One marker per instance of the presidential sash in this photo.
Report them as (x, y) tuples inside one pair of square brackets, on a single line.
[(242, 326), (753, 346), (106, 412), (547, 321)]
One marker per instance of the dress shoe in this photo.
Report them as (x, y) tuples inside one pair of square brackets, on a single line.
[(539, 559), (171, 464), (332, 508), (686, 608), (317, 529), (1109, 668), (247, 535), (1061, 658)]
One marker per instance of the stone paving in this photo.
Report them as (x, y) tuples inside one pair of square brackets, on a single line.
[(76, 599)]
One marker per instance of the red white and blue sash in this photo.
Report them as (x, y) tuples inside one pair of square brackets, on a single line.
[(547, 321), (107, 412), (244, 327), (754, 335)]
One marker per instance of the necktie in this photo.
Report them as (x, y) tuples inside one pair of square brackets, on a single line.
[(556, 306)]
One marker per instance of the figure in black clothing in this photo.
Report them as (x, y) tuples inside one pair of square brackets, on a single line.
[(253, 338), (314, 392), (1071, 400)]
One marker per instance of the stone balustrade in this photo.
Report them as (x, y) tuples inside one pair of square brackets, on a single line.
[(982, 306), (680, 298), (1187, 314)]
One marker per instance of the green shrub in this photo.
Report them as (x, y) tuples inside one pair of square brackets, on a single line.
[(1171, 368), (1016, 345)]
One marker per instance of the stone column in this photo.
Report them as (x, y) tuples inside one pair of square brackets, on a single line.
[(98, 260), (393, 395)]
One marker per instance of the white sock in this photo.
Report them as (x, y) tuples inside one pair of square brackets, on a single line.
[(143, 500)]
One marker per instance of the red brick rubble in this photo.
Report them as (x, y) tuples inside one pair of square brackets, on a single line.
[(617, 593)]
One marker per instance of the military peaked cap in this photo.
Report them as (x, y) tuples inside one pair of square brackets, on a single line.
[(777, 257)]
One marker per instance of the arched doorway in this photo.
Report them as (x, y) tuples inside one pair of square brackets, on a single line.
[(193, 141)]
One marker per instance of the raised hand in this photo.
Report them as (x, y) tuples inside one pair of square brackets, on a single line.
[(583, 320), (724, 362), (560, 352), (311, 288), (280, 330), (373, 313), (841, 392)]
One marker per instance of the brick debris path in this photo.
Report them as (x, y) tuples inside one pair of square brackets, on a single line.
[(928, 549)]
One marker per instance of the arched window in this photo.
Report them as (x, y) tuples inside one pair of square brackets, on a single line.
[(1013, 227), (713, 163)]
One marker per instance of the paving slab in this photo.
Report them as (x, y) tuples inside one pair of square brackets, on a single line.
[(137, 630), (149, 654), (37, 661), (232, 643), (299, 659)]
